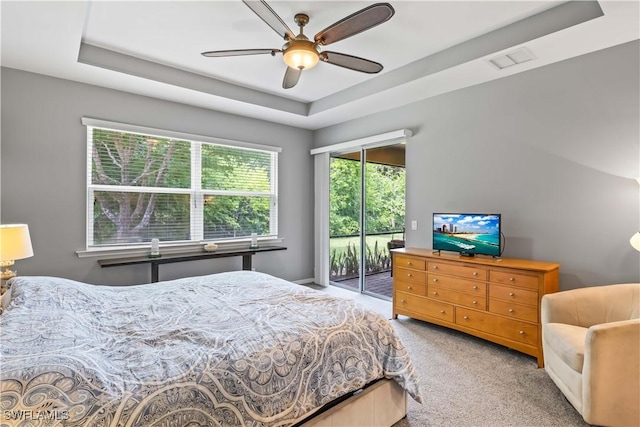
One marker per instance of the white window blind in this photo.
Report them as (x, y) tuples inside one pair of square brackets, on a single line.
[(156, 184)]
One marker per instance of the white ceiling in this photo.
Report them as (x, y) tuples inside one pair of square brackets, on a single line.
[(427, 48)]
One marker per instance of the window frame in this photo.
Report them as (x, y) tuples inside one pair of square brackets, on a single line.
[(196, 193)]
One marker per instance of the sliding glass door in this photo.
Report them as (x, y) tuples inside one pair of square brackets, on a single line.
[(345, 196), (384, 201), (366, 220)]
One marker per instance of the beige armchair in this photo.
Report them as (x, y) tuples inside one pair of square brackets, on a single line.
[(591, 344)]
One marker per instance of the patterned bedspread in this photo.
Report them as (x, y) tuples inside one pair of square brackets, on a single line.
[(230, 349)]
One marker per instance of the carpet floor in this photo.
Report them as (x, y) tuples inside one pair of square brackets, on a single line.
[(467, 381)]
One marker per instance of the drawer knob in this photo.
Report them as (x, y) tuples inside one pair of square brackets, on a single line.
[(511, 294), (521, 332), (466, 317), (435, 267), (435, 293), (409, 275), (511, 310), (475, 287), (442, 311), (475, 302), (409, 287), (475, 273), (511, 279), (409, 263), (402, 301), (435, 280)]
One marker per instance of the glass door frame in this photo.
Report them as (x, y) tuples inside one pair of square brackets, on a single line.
[(362, 222), (337, 154), (321, 193)]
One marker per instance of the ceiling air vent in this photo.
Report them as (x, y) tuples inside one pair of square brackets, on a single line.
[(510, 59)]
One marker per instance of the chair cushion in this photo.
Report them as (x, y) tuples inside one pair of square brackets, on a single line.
[(567, 342)]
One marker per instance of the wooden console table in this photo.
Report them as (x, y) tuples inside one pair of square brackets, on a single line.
[(245, 253)]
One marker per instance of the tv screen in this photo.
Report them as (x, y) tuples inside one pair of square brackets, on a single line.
[(467, 233)]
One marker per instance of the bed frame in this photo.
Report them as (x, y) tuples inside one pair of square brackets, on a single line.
[(379, 405)]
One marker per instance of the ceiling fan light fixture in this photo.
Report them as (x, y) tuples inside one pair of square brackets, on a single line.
[(301, 55)]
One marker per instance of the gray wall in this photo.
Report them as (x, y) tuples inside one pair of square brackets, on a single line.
[(43, 175), (554, 149)]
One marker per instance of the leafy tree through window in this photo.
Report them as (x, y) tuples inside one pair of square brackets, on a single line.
[(143, 186)]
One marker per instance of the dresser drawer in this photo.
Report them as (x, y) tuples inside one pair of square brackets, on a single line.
[(405, 274), (456, 284), (459, 298), (409, 262), (515, 330), (421, 305), (514, 279), (410, 287), (507, 293), (517, 311), (470, 272)]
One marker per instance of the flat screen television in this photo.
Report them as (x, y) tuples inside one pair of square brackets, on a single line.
[(467, 233)]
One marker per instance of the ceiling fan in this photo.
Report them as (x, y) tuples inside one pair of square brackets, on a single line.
[(300, 53)]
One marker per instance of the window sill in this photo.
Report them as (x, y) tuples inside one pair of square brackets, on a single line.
[(118, 252)]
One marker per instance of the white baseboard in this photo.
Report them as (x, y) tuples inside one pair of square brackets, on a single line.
[(303, 281)]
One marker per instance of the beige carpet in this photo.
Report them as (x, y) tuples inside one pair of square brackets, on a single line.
[(466, 381)]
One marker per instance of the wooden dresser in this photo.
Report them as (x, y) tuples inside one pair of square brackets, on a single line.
[(498, 300)]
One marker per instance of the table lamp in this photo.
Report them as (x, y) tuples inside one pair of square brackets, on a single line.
[(15, 243), (635, 241)]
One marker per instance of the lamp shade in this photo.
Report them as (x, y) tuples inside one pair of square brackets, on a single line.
[(301, 55), (635, 241), (15, 242)]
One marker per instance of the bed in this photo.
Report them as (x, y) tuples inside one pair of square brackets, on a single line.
[(229, 349)]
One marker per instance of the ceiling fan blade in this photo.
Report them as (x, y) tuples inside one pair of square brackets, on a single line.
[(351, 62), (264, 11), (291, 77), (239, 52), (355, 23)]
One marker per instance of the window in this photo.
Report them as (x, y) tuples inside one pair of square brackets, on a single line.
[(146, 183)]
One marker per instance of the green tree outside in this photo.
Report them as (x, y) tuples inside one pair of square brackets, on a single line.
[(159, 166), (135, 160), (384, 218), (385, 197)]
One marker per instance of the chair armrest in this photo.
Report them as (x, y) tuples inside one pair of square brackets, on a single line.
[(611, 372)]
